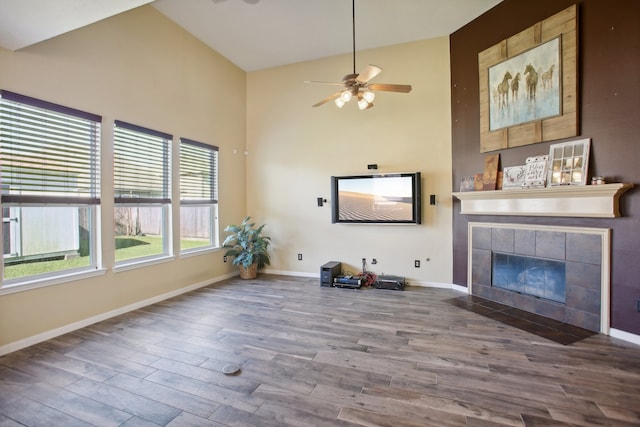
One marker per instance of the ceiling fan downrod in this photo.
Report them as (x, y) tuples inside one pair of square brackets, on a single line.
[(353, 26)]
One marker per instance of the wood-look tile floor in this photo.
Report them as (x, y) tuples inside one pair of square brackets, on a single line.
[(314, 356)]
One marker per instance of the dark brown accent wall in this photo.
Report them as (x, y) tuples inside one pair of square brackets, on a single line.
[(609, 105)]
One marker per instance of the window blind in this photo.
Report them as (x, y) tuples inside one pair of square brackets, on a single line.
[(141, 164), (48, 153), (198, 172)]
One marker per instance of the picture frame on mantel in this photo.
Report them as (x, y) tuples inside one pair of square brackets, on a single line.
[(568, 163), (546, 42)]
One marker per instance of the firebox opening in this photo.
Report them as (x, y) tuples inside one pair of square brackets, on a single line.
[(538, 277)]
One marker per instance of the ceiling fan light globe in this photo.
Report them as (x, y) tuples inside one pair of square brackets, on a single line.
[(339, 102), (368, 96), (363, 104), (346, 96)]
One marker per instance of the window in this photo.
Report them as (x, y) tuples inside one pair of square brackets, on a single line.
[(49, 156), (198, 196), (142, 193)]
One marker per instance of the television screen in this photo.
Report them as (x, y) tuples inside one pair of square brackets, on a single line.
[(378, 199)]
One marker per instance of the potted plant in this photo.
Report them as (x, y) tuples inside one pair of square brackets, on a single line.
[(248, 247)]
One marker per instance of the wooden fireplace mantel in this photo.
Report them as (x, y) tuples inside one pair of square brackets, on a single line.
[(595, 201)]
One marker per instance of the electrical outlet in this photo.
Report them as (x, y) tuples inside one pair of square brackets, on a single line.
[(299, 257), (224, 258), (416, 263)]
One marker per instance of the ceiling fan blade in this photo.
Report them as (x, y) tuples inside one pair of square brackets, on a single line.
[(390, 87), (327, 99), (368, 73), (324, 83)]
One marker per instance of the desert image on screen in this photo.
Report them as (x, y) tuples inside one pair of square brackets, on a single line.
[(380, 199)]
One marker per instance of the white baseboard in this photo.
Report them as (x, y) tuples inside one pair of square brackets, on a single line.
[(463, 289), (625, 336), (438, 285), (38, 338), (291, 273), (458, 288)]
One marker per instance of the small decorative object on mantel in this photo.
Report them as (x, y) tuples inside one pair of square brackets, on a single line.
[(478, 181), (536, 172), (499, 181), (467, 183), (490, 176), (569, 163), (513, 176)]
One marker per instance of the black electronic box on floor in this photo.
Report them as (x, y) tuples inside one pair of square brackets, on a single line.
[(328, 272), (395, 283), (348, 281)]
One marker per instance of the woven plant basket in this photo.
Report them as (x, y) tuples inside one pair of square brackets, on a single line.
[(250, 272)]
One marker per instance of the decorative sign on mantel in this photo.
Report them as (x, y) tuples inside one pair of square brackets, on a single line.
[(535, 174), (513, 176)]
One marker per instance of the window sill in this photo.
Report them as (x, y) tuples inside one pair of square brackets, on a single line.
[(50, 281), (133, 264), (196, 252)]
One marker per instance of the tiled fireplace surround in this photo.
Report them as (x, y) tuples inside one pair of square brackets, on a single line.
[(585, 252)]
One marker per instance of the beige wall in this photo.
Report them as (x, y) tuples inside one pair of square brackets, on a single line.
[(141, 68), (293, 150)]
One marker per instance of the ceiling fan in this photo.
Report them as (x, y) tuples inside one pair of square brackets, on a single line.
[(357, 86)]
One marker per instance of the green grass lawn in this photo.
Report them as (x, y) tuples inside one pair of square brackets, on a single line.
[(41, 267), (127, 247), (193, 243)]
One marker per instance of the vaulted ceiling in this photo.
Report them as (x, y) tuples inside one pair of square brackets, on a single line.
[(255, 34)]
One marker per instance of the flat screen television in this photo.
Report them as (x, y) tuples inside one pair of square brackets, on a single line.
[(391, 198)]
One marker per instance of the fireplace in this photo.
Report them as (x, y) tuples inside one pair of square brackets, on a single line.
[(557, 272)]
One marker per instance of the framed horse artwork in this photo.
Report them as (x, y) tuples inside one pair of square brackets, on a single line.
[(529, 85), (537, 98)]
